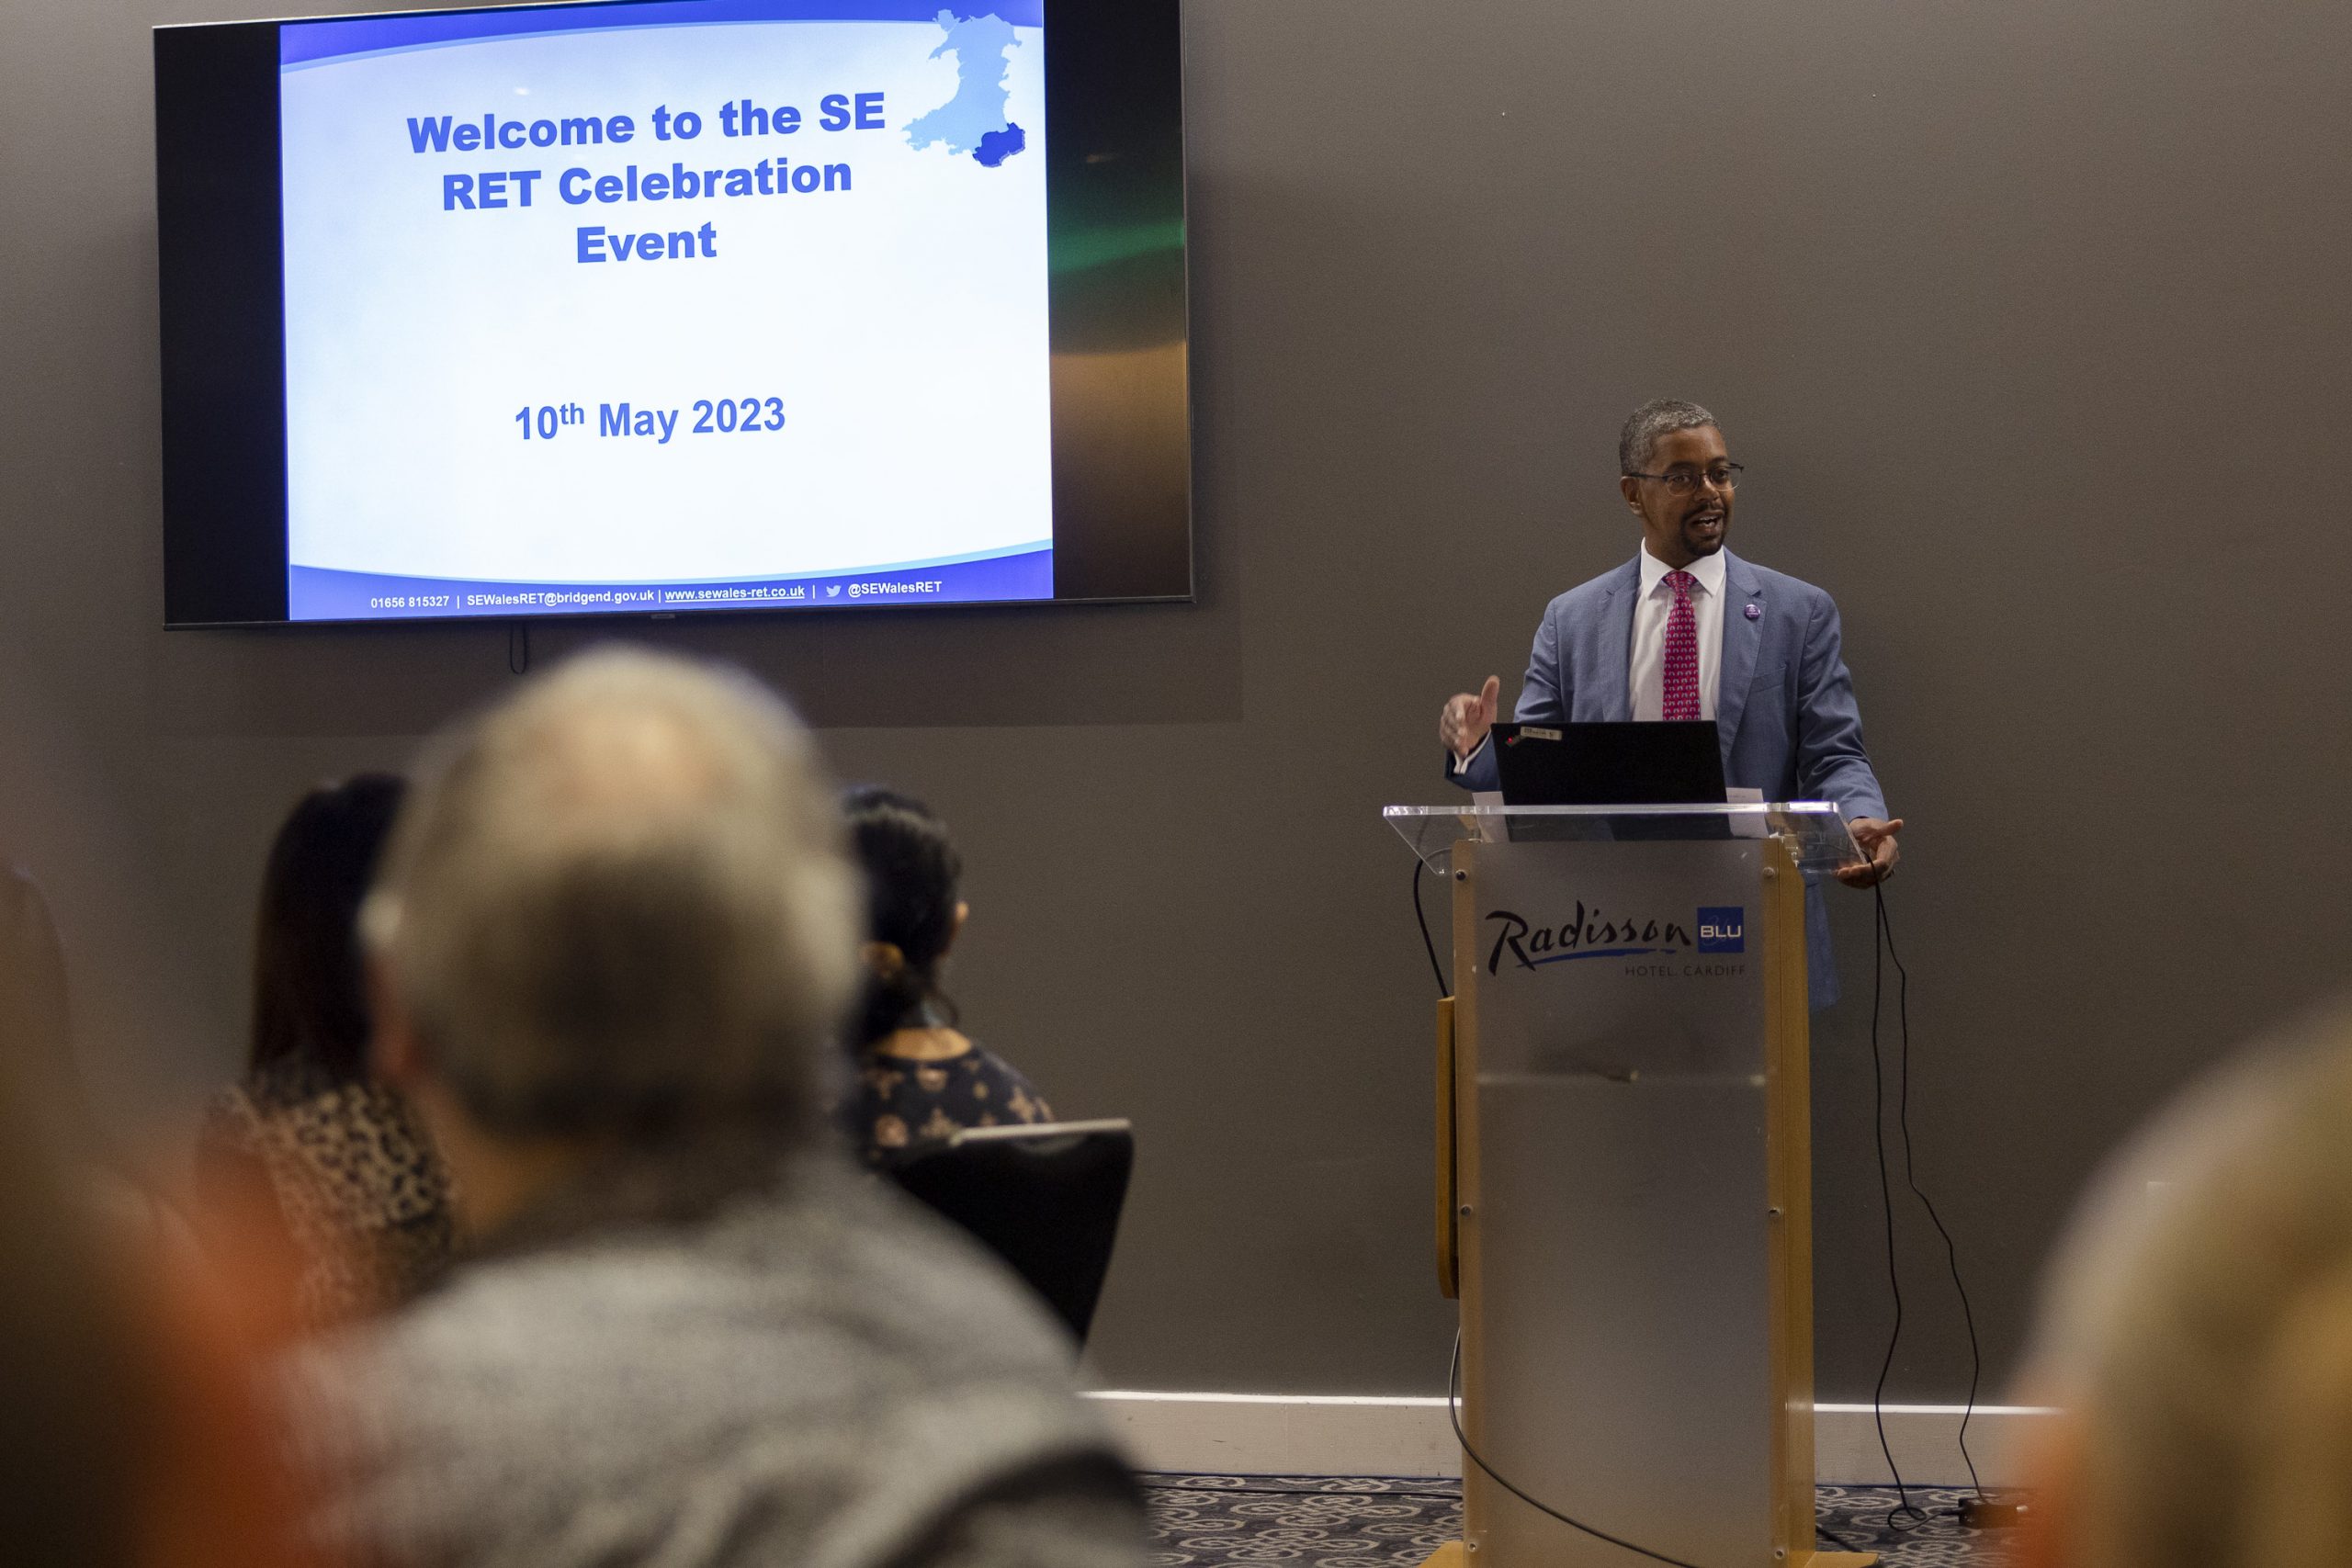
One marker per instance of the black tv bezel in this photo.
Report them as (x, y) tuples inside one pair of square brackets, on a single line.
[(1114, 178)]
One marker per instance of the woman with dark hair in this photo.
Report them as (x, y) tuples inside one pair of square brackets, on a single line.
[(918, 1075), (363, 1197)]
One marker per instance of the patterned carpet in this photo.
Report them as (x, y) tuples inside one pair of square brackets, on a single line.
[(1328, 1521)]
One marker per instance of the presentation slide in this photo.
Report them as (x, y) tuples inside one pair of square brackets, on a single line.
[(685, 305)]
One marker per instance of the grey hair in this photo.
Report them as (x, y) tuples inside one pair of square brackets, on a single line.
[(1645, 425), (2197, 1324), (620, 901)]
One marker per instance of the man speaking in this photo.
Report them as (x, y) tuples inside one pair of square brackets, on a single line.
[(1688, 630)]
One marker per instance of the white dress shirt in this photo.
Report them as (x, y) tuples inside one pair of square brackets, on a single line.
[(1647, 672)]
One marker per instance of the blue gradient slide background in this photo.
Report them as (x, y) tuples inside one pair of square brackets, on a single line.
[(895, 317)]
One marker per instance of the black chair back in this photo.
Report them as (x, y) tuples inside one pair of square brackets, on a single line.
[(1044, 1198)]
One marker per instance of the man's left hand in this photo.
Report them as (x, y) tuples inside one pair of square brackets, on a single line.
[(1876, 841)]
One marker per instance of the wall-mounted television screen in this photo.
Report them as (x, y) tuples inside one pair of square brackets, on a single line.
[(666, 306)]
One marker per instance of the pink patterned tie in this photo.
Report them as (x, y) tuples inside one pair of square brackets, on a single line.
[(1681, 670)]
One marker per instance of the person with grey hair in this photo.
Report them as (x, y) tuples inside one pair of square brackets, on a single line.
[(613, 939), (2195, 1337), (1689, 631)]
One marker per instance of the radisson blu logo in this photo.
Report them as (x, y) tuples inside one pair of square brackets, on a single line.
[(1589, 933), (1722, 927)]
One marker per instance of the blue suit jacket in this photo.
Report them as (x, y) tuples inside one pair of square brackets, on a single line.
[(1784, 705)]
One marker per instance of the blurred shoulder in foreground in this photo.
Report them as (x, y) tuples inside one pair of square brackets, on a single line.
[(133, 1433)]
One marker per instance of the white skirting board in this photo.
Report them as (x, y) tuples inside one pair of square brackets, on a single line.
[(1268, 1433)]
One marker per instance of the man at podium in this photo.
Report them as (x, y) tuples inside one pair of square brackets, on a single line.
[(1688, 630)]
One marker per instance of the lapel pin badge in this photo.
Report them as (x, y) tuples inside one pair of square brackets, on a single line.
[(1753, 614)]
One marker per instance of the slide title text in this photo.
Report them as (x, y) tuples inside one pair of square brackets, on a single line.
[(486, 190)]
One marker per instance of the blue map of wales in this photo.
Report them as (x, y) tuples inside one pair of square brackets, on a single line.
[(973, 121)]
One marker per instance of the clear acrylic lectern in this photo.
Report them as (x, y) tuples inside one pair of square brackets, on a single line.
[(1625, 1188)]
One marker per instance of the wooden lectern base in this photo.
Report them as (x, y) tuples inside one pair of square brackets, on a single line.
[(1451, 1555)]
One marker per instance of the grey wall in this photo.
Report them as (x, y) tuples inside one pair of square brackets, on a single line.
[(2029, 320)]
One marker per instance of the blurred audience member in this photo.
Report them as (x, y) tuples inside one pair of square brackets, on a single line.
[(66, 1432), (37, 1045), (2198, 1332), (131, 1435), (614, 936), (338, 1157), (36, 1025), (918, 1076)]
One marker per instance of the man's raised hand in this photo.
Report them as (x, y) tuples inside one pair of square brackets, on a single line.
[(1462, 723)]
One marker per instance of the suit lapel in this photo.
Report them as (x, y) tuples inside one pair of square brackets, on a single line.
[(1742, 636), (1617, 645)]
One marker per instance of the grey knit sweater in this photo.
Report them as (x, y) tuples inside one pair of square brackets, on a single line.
[(674, 1371)]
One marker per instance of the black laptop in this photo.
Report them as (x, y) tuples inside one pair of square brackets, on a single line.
[(1611, 764)]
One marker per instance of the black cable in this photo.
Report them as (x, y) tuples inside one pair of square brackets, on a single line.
[(1886, 1207), (1834, 1539), (518, 637), (1951, 1250), (1435, 968), (1453, 1413)]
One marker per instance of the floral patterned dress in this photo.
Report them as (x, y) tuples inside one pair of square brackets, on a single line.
[(902, 1100), (363, 1197)]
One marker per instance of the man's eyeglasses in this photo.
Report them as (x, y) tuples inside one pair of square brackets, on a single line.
[(1684, 482)]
